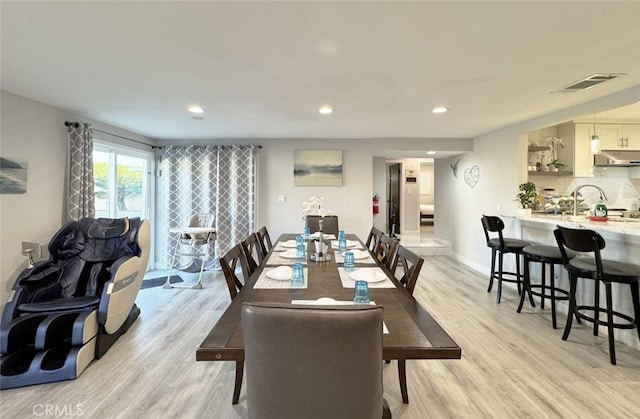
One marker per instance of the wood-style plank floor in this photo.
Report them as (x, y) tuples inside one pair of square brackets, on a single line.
[(513, 365)]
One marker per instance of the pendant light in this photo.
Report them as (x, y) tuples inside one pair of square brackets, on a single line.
[(595, 145)]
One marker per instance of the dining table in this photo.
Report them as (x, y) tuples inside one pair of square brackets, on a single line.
[(410, 332)]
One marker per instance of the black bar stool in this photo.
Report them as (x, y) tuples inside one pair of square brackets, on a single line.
[(499, 246), (600, 270), (552, 256)]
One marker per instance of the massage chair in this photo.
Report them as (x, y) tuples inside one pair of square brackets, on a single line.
[(66, 311)]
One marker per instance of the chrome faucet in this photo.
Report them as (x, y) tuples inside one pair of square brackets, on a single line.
[(603, 196)]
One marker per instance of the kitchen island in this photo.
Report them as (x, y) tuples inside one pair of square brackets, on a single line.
[(622, 239)]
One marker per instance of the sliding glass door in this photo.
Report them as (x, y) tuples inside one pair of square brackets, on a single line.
[(122, 180)]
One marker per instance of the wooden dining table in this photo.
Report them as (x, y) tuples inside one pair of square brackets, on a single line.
[(411, 332)]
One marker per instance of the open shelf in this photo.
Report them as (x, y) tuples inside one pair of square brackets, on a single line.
[(533, 148), (549, 173)]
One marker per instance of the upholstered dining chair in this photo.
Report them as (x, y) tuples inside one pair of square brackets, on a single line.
[(265, 240), (329, 224), (386, 250), (313, 362), (373, 239), (252, 251), (235, 259), (409, 265)]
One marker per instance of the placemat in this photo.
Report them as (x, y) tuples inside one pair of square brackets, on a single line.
[(366, 261), (347, 282), (358, 245), (264, 282)]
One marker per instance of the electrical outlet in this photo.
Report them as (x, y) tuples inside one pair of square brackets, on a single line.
[(36, 249), (282, 198)]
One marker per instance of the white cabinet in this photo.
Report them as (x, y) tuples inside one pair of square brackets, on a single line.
[(630, 137), (618, 136), (576, 151)]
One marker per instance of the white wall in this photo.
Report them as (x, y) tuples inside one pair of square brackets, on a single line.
[(34, 132)]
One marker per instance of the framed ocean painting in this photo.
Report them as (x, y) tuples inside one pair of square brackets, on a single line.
[(317, 168)]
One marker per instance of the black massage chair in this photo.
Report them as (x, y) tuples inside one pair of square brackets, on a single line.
[(64, 312)]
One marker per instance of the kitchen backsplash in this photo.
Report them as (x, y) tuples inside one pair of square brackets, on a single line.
[(621, 191)]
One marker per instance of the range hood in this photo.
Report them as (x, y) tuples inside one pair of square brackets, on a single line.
[(617, 158)]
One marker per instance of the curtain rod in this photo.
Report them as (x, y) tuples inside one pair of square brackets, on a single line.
[(204, 145), (75, 125)]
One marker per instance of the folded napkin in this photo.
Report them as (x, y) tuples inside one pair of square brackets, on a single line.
[(348, 282)]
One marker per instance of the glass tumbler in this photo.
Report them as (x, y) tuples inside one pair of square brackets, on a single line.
[(299, 239), (341, 235), (300, 251), (297, 275), (307, 232), (361, 292), (342, 245), (349, 261)]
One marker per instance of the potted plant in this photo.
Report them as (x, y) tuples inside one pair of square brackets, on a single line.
[(527, 196), (555, 165)]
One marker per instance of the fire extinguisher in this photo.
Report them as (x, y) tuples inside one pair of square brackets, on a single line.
[(376, 200)]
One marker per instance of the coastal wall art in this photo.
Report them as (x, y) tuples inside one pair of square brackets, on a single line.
[(13, 176), (317, 168)]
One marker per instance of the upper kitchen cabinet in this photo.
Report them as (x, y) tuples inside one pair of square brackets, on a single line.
[(629, 136), (576, 151), (618, 136)]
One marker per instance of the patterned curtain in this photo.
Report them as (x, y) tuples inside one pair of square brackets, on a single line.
[(80, 196), (219, 180)]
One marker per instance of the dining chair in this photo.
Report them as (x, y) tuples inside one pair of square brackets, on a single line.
[(313, 362), (386, 250), (590, 265), (233, 260), (373, 239), (410, 265), (252, 251), (329, 224), (265, 240)]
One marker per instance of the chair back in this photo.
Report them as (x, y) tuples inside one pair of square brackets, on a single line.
[(373, 239), (235, 259), (200, 220), (252, 252), (411, 265), (386, 250), (492, 224), (265, 240), (580, 240), (329, 224), (313, 361)]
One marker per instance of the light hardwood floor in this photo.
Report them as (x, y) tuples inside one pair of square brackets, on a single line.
[(513, 365)]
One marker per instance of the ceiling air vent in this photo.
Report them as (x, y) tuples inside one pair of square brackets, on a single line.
[(588, 82)]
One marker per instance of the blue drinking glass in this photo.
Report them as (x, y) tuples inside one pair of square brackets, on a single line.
[(349, 262), (361, 292), (297, 275), (307, 232), (300, 251), (341, 235), (342, 245), (299, 239)]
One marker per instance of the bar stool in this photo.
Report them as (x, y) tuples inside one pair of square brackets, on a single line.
[(546, 255), (499, 246), (600, 270)]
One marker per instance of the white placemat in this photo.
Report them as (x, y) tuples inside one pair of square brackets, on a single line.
[(347, 282), (368, 260), (276, 259), (264, 282), (331, 302)]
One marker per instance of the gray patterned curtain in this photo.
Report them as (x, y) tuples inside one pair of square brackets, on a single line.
[(219, 180), (80, 196)]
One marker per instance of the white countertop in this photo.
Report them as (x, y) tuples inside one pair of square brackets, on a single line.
[(620, 227)]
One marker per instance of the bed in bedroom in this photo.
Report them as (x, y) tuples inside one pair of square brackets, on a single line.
[(426, 213)]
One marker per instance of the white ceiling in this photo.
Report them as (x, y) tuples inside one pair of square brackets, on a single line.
[(262, 69)]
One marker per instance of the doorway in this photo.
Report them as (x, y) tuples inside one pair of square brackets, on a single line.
[(393, 201)]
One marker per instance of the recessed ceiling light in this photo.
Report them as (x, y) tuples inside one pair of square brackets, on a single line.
[(431, 152), (195, 109), (439, 109), (325, 110)]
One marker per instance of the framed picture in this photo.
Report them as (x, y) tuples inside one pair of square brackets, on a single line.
[(13, 176), (317, 168)]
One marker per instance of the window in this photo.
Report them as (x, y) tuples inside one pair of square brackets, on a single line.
[(123, 182)]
